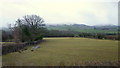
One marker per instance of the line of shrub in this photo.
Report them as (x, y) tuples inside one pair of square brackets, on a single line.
[(17, 47)]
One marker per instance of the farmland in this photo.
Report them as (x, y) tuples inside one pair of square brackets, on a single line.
[(67, 51)]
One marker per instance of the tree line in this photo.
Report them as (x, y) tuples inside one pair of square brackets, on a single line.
[(66, 33)]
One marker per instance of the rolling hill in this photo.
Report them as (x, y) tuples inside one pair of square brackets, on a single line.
[(84, 28)]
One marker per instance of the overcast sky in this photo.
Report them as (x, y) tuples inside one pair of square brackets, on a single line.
[(90, 12)]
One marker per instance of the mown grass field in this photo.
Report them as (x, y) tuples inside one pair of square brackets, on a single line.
[(65, 51)]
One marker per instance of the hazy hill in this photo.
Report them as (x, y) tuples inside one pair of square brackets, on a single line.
[(84, 28)]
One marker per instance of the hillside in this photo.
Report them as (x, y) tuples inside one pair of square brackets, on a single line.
[(85, 28)]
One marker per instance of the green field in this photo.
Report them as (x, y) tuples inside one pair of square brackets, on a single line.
[(65, 51), (82, 29)]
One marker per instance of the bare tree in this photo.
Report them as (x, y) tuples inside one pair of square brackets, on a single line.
[(28, 27)]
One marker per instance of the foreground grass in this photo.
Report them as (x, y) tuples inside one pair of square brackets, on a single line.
[(65, 51)]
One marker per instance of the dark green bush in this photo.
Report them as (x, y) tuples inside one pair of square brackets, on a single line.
[(40, 37)]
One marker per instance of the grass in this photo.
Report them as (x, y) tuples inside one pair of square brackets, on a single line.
[(65, 51), (7, 42)]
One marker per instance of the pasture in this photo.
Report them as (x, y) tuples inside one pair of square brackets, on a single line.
[(65, 51)]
